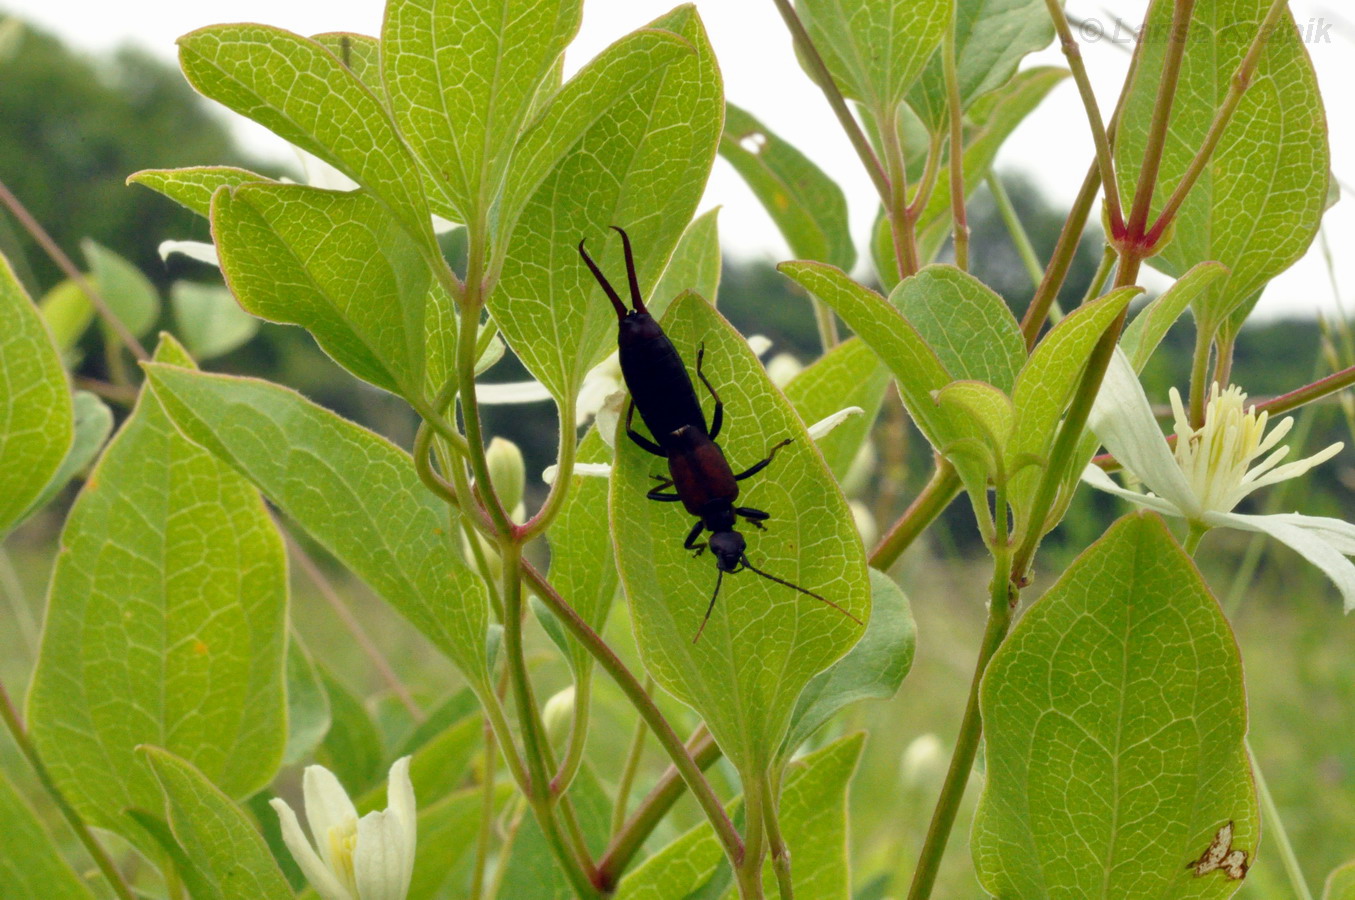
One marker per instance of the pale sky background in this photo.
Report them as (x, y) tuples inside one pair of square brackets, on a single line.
[(1052, 147)]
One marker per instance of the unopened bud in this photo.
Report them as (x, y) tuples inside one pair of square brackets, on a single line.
[(782, 368), (923, 762), (865, 522), (558, 714), (507, 471), (493, 564), (859, 472)]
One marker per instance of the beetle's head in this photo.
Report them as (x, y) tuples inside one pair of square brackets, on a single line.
[(728, 547)]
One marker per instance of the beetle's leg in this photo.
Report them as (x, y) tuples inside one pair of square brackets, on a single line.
[(758, 467), (658, 492), (641, 441), (755, 517), (717, 419), (691, 542)]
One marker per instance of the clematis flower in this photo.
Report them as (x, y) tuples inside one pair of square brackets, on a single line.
[(1213, 467), (368, 858)]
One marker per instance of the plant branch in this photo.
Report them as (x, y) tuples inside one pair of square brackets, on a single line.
[(578, 733), (640, 699), (926, 506), (564, 478), (1323, 387), (628, 772), (1238, 85), (902, 216), (628, 839), (1020, 239), (1003, 598), (482, 838), (63, 262), (957, 190), (14, 725), (776, 843), (748, 873), (824, 79)]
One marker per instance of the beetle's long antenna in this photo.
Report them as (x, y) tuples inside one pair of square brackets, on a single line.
[(635, 297), (719, 579), (602, 280), (750, 567)]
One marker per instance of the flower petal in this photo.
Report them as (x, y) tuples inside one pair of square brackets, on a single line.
[(314, 868), (401, 803), (587, 470), (508, 392), (202, 252), (327, 807), (1122, 420), (1097, 478), (821, 429), (1309, 536), (608, 417), (380, 867)]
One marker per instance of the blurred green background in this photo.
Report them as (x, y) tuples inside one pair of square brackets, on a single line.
[(72, 128)]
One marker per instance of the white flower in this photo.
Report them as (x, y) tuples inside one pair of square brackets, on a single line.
[(371, 858), (1213, 468)]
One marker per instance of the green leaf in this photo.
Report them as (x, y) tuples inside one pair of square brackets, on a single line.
[(848, 375), (93, 424), (967, 325), (745, 697), (642, 166), (30, 864), (209, 320), (1113, 722), (308, 715), (300, 91), (173, 855), (353, 491), (165, 623), (192, 188), (334, 263), (875, 49), (695, 265), (1046, 386), (1340, 883), (452, 710), (979, 420), (447, 831), (128, 293), (813, 818), (913, 363), (462, 78), (567, 116), (1257, 206), (216, 834), (991, 38), (1150, 326), (533, 873), (351, 748), (807, 206), (36, 426), (582, 565), (360, 54), (872, 670), (67, 312)]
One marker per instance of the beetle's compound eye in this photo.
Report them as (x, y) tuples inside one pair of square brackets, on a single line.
[(728, 547)]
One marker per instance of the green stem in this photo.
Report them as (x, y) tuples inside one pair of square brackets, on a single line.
[(780, 852), (564, 478), (824, 79), (926, 506), (902, 216), (748, 873), (1199, 372), (1099, 278), (640, 699), (14, 725), (1100, 135), (1061, 261), (470, 412), (628, 772), (578, 733), (1003, 597), (1282, 843), (578, 869), (483, 837), (957, 188), (931, 171), (1193, 537), (19, 609), (1020, 239), (825, 324)]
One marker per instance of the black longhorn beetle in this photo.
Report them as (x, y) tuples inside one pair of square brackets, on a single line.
[(698, 472)]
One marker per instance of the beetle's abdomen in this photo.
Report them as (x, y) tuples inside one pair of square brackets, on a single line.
[(700, 472)]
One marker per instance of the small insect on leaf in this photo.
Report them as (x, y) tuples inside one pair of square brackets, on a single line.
[(1221, 855)]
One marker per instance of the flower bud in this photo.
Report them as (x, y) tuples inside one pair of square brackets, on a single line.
[(865, 523), (782, 368), (507, 471), (923, 762), (558, 714), (859, 472)]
